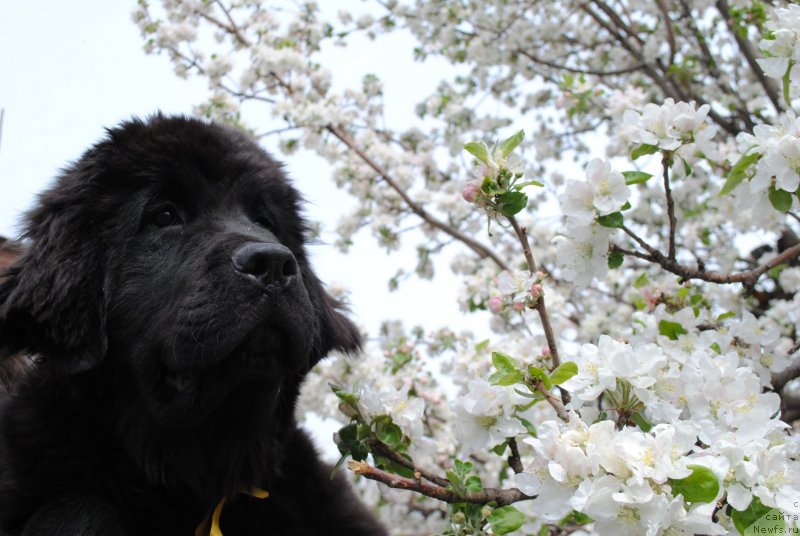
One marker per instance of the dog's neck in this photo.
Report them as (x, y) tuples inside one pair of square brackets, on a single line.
[(240, 444)]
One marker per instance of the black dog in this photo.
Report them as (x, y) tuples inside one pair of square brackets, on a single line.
[(167, 297)]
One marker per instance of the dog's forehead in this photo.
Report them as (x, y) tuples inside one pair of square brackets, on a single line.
[(182, 155)]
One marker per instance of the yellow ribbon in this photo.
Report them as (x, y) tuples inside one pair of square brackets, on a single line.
[(212, 529)]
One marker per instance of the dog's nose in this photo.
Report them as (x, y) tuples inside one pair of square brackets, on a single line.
[(269, 263)]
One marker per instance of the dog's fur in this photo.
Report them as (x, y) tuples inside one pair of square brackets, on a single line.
[(167, 297)]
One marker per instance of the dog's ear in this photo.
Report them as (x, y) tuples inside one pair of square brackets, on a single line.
[(51, 299), (337, 332)]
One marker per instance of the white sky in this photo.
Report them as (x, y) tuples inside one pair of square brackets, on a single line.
[(69, 69)]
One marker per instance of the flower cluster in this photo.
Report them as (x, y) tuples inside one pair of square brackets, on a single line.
[(619, 478), (782, 48), (515, 291), (583, 250), (683, 375), (777, 151), (669, 126), (485, 417)]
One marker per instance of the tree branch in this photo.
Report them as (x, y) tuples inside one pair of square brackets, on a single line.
[(747, 51), (670, 32), (541, 308), (747, 278), (665, 162), (500, 496), (780, 379), (379, 448), (481, 250)]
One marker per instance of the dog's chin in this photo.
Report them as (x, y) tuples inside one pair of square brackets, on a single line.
[(250, 376)]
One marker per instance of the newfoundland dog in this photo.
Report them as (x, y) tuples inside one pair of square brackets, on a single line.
[(167, 298)]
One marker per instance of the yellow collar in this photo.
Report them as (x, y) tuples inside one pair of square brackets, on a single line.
[(210, 525)]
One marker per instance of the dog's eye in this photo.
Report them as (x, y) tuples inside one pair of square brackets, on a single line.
[(164, 217), (265, 222)]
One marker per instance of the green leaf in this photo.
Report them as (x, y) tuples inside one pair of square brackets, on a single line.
[(775, 271), (489, 186), (563, 372), (780, 199), (538, 374), (529, 427), (577, 517), (462, 468), (479, 150), (641, 281), (359, 451), (512, 202), (500, 449), (505, 520), (347, 436), (687, 169), (754, 515), (701, 486), (671, 330), (393, 467), (474, 484), (504, 362), (509, 144), (507, 378), (642, 150), (725, 316), (636, 177), (641, 422), (737, 172), (715, 346), (615, 220), (390, 434), (787, 84), (521, 185), (615, 259), (343, 395), (457, 482)]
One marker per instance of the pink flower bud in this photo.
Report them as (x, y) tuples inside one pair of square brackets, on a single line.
[(518, 306), (536, 291), (471, 192), (495, 304)]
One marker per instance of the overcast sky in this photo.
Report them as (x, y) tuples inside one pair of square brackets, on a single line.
[(69, 69)]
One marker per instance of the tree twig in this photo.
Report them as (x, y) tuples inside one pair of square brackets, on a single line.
[(500, 496), (541, 308), (376, 447), (665, 162), (514, 461), (553, 400)]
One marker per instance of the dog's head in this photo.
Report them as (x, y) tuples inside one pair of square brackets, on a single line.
[(175, 248)]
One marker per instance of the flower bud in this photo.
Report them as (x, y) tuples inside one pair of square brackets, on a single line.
[(471, 192), (536, 291), (495, 304)]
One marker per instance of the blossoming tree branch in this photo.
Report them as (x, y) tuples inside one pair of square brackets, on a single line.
[(616, 187)]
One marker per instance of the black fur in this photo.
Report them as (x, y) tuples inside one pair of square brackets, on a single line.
[(167, 297)]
